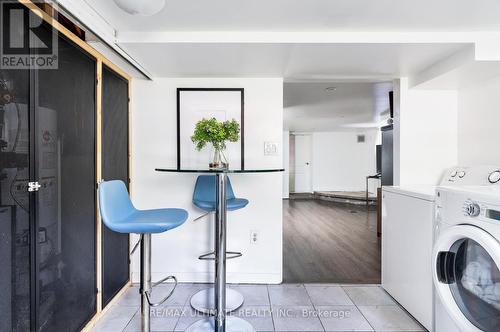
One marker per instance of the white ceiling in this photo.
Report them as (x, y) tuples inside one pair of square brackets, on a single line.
[(291, 61), (310, 15), (296, 39), (305, 42), (310, 107)]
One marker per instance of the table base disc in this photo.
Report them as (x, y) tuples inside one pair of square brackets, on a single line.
[(203, 301), (233, 324)]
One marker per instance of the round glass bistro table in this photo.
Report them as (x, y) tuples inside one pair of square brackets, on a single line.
[(218, 322)]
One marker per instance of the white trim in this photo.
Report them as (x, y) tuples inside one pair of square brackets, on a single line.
[(306, 37), (443, 243)]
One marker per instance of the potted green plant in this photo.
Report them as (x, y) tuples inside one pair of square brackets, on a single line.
[(217, 133)]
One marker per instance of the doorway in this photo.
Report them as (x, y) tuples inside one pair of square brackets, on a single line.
[(302, 162), (330, 218)]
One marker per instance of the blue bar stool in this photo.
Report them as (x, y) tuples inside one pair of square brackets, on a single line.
[(204, 197), (119, 214)]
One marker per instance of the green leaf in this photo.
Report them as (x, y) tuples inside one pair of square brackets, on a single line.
[(215, 132)]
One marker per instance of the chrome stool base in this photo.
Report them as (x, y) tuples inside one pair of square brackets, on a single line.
[(233, 324), (203, 301), (146, 285)]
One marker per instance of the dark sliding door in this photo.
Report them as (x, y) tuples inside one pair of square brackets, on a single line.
[(65, 217), (15, 224), (48, 263), (115, 246)]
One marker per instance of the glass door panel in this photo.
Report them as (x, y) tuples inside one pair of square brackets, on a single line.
[(65, 203)]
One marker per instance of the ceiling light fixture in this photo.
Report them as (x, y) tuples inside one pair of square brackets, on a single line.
[(331, 89), (141, 7)]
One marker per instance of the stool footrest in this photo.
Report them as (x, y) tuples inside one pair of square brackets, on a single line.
[(148, 295), (211, 255), (202, 216)]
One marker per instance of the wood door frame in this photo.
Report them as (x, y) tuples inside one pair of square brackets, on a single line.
[(100, 60)]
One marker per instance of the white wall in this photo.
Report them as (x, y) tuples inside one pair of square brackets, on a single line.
[(426, 132), (340, 163), (286, 164), (478, 120), (154, 145)]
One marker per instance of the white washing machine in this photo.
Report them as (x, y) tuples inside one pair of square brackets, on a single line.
[(407, 239), (466, 258)]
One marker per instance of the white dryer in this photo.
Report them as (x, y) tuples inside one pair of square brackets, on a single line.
[(408, 235), (466, 259)]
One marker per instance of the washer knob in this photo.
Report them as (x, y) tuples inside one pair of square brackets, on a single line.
[(494, 177), (461, 174), (473, 209), (454, 173)]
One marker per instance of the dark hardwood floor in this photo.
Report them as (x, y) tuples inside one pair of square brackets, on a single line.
[(328, 242)]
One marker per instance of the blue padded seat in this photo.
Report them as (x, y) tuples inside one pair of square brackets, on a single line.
[(204, 195), (119, 214)]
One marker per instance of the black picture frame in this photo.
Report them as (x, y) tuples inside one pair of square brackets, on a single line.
[(242, 121)]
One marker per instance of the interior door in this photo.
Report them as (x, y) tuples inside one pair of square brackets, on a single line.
[(467, 277), (64, 136), (303, 164)]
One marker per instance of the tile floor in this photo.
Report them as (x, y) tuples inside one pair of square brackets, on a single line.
[(287, 307)]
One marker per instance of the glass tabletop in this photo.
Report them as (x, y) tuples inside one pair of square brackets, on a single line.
[(184, 170)]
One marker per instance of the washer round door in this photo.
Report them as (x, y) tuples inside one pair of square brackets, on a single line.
[(467, 277)]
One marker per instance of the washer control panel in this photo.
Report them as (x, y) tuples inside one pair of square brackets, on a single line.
[(468, 205), (483, 211)]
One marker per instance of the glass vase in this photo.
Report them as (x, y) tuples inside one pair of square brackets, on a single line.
[(219, 160)]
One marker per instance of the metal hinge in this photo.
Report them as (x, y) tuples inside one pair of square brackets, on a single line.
[(33, 186)]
